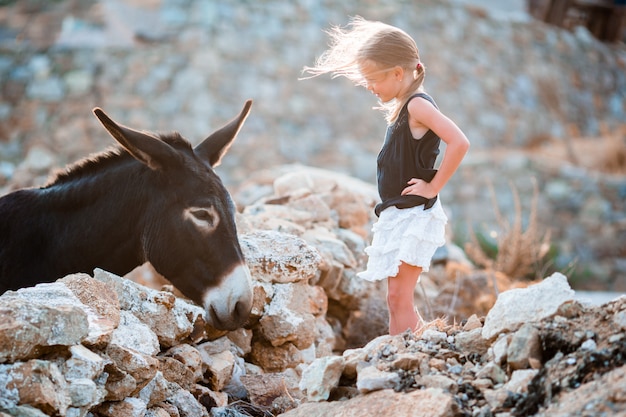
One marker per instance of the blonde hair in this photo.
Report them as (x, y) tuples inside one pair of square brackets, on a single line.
[(362, 41)]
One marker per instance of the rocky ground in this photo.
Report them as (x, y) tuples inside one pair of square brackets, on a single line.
[(314, 344)]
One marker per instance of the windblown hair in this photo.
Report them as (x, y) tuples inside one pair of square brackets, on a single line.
[(362, 41)]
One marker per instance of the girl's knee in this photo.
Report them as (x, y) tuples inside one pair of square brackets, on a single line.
[(397, 299)]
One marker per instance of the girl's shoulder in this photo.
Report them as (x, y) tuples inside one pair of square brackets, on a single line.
[(422, 113), (421, 105), (410, 102), (423, 95)]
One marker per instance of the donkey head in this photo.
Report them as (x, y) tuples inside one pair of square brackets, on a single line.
[(188, 232)]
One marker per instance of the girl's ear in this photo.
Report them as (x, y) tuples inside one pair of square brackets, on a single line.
[(398, 72)]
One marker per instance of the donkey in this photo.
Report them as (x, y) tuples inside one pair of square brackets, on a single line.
[(152, 198)]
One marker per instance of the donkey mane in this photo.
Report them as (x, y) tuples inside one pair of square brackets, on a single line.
[(113, 155)]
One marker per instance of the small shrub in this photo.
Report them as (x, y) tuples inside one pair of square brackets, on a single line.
[(518, 253)]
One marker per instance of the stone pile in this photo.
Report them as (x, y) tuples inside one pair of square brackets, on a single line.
[(537, 352), (105, 345), (110, 346), (300, 215)]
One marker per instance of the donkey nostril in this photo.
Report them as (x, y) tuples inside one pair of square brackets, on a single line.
[(238, 309), (241, 311), (215, 318)]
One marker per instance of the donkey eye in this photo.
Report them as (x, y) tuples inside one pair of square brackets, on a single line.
[(204, 218), (203, 215)]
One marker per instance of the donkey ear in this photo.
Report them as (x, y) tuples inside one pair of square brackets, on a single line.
[(215, 146), (145, 148)]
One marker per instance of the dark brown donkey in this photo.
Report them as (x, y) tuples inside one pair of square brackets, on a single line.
[(156, 198)]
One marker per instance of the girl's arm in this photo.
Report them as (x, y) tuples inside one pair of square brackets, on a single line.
[(422, 112)]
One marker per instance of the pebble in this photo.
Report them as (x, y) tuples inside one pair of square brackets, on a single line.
[(589, 344)]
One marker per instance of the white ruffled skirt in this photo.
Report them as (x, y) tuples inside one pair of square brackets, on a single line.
[(409, 235)]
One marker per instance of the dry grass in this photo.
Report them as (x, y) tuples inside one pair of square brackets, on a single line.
[(463, 291), (519, 252), (605, 153)]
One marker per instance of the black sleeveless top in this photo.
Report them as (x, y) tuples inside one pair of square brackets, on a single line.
[(401, 158)]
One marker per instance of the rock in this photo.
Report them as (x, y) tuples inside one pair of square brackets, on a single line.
[(262, 293), (214, 347), (434, 336), (234, 388), (242, 338), (353, 210), (25, 411), (365, 304), (47, 90), (208, 398), (493, 372), (520, 380), (175, 371), (36, 383), (515, 307), (172, 319), (472, 341), (437, 381), (429, 402), (326, 242), (312, 204), (264, 390), (352, 359), (289, 318), (277, 218), (279, 257), (33, 320), (525, 348), (604, 395), (275, 358), (130, 407), (82, 364), (330, 276), (321, 376), (325, 339), (140, 366), (186, 404), (167, 408), (157, 412), (84, 393), (370, 378), (219, 369), (620, 319), (499, 349), (226, 412), (496, 398), (155, 391), (190, 357), (409, 361), (132, 334), (119, 384), (473, 322), (104, 312)]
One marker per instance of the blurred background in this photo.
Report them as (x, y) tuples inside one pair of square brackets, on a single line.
[(539, 87)]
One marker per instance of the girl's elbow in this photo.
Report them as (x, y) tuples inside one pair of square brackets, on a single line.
[(466, 144), (463, 144)]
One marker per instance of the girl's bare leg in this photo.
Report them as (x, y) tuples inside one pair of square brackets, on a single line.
[(402, 314)]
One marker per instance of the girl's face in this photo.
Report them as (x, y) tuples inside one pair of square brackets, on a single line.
[(384, 83)]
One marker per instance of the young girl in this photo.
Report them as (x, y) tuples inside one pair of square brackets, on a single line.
[(411, 223)]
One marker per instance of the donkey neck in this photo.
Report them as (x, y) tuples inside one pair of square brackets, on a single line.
[(105, 199)]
